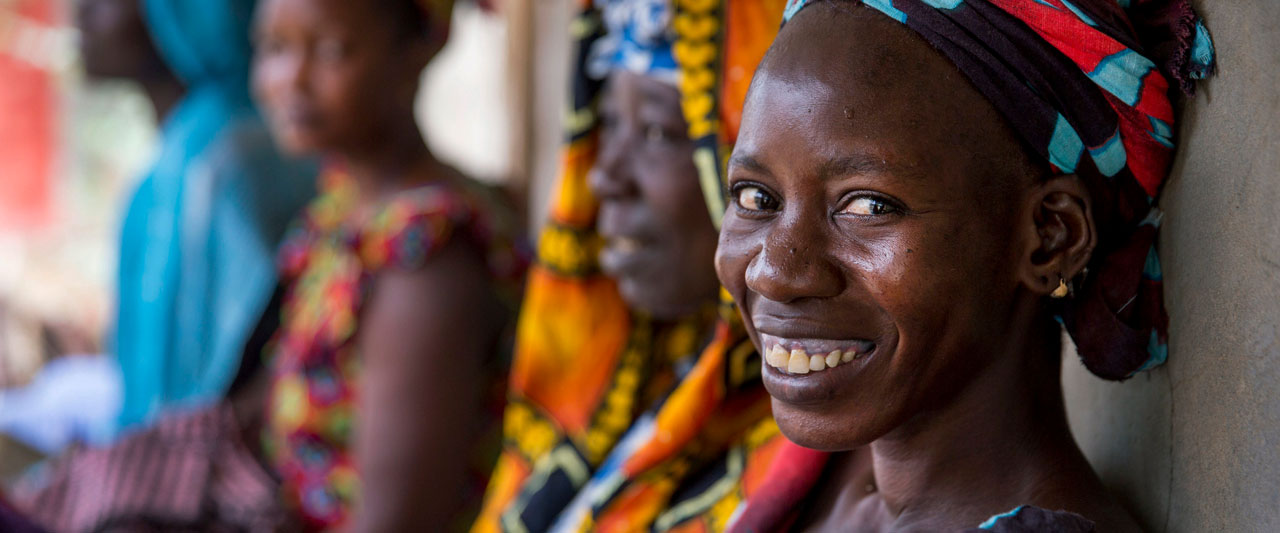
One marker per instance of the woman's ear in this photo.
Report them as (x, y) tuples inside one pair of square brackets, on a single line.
[(1061, 233)]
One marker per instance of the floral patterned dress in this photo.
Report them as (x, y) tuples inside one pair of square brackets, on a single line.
[(329, 261)]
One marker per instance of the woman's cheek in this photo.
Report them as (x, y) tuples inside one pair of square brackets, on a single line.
[(732, 255)]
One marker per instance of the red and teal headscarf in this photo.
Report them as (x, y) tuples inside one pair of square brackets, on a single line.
[(1086, 84)]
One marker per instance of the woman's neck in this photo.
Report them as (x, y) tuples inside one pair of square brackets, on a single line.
[(1001, 442), (164, 91), (386, 165)]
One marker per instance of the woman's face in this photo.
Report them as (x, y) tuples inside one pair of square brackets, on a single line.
[(873, 223), (114, 42), (660, 242), (330, 74)]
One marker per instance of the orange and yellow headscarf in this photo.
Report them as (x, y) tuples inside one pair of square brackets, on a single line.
[(602, 431)]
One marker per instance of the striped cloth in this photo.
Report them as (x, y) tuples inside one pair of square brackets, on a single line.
[(188, 473), (12, 522)]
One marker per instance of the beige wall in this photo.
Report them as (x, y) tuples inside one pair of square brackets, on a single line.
[(1195, 445), (552, 48)]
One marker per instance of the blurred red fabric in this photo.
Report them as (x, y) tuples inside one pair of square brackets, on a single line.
[(27, 119)]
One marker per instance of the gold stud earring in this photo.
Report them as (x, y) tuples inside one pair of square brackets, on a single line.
[(1062, 291)]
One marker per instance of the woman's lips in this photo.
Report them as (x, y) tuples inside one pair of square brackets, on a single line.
[(623, 255)]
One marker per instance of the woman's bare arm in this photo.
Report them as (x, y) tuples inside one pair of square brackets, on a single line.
[(425, 338)]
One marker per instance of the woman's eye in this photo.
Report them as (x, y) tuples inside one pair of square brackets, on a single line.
[(331, 50), (608, 121), (270, 46), (868, 206), (753, 198), (657, 134)]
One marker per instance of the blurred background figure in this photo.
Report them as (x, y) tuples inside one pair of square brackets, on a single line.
[(402, 278), (388, 206), (78, 144), (198, 240), (636, 401), (197, 259)]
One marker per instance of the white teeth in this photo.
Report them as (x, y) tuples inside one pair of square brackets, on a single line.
[(817, 362), (799, 362), (777, 357), (626, 244), (833, 358)]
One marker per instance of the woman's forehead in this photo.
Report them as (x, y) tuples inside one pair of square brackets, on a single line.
[(854, 46), (853, 72), (640, 88)]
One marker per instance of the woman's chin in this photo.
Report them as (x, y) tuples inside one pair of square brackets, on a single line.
[(803, 426), (299, 145), (643, 297)]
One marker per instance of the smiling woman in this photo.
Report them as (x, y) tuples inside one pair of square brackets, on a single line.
[(917, 190), (652, 215)]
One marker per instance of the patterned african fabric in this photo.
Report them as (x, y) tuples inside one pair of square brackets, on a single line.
[(637, 38), (614, 422), (1086, 85), (329, 261)]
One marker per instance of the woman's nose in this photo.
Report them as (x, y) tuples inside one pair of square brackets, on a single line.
[(794, 263), (612, 177), (297, 71)]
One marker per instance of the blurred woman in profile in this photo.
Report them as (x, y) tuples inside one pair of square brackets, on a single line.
[(386, 373), (636, 401)]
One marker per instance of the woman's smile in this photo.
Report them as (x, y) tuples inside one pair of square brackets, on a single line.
[(810, 372), (631, 247), (802, 356)]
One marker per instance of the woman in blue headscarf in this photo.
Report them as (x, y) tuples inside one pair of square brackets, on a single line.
[(200, 233), (199, 236), (197, 271)]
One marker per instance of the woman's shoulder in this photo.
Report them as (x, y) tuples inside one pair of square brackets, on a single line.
[(413, 224)]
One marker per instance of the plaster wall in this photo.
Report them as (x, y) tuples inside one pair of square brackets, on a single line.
[(1195, 445)]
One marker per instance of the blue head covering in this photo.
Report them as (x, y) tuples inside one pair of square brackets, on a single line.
[(638, 38), (205, 42), (199, 237)]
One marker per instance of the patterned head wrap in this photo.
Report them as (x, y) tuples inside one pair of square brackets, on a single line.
[(610, 415), (1086, 85), (638, 38)]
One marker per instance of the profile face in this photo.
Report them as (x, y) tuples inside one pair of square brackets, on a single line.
[(330, 74), (659, 239), (870, 226)]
